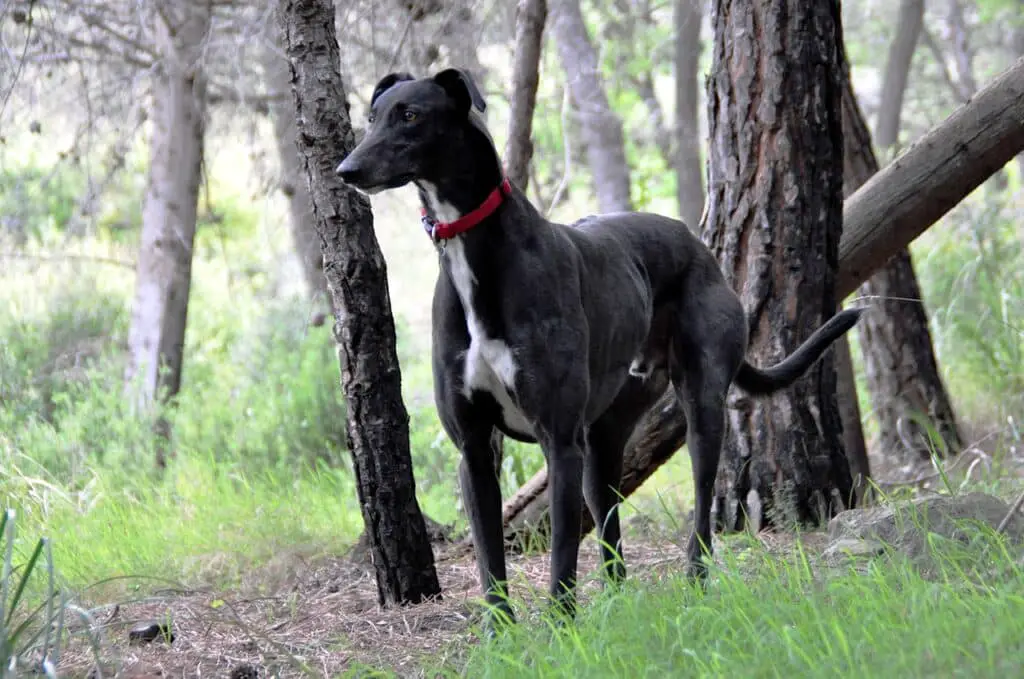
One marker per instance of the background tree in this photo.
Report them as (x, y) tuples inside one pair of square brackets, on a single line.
[(907, 394), (530, 21), (378, 425), (163, 276), (688, 165), (601, 127), (291, 177)]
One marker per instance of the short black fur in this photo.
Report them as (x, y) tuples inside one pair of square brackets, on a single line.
[(564, 335)]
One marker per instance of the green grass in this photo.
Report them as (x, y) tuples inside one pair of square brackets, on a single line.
[(768, 615)]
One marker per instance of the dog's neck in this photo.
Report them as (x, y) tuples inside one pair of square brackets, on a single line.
[(466, 176)]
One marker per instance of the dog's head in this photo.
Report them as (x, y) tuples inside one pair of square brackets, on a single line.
[(413, 125)]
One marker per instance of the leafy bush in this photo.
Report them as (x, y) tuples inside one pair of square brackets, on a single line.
[(973, 281)]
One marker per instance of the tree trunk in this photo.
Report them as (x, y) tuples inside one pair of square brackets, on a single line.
[(899, 361), (602, 128), (523, 98), (688, 166), (292, 180), (774, 221), (377, 424), (881, 218), (164, 271)]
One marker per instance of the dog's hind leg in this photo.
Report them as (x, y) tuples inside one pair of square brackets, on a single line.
[(602, 476), (701, 373)]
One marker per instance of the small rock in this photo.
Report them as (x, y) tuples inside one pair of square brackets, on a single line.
[(843, 548), (245, 671), (150, 632)]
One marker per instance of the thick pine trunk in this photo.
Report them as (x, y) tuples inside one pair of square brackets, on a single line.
[(292, 180), (156, 337), (688, 166), (530, 20), (892, 209), (899, 360), (377, 425), (774, 222), (602, 128)]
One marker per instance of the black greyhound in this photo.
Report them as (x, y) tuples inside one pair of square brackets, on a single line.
[(559, 335)]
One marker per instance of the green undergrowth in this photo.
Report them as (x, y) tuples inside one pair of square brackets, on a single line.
[(780, 615)]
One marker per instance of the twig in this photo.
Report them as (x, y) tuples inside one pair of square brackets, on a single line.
[(1009, 515), (568, 152), (21, 62), (93, 259)]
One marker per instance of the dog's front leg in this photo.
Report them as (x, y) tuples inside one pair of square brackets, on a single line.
[(482, 498), (565, 488)]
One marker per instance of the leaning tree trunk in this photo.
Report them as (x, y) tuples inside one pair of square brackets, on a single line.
[(156, 337), (689, 174), (774, 222), (602, 128), (523, 98), (884, 216), (907, 394), (378, 425), (292, 179)]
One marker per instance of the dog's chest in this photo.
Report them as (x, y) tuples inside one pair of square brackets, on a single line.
[(489, 364)]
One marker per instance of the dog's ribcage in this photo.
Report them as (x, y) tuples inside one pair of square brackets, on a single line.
[(489, 363)]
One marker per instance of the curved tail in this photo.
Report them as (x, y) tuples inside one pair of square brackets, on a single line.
[(759, 381)]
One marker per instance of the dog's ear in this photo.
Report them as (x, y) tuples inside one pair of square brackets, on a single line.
[(460, 86), (387, 82)]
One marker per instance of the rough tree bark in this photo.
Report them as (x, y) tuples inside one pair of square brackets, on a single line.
[(688, 166), (156, 337), (602, 128), (774, 222), (292, 179), (523, 98), (884, 216), (377, 424), (899, 360)]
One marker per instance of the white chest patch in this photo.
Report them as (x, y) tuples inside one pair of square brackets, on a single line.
[(489, 364)]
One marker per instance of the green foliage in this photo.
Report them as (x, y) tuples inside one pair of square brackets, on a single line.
[(774, 615), (27, 628), (973, 282), (37, 202)]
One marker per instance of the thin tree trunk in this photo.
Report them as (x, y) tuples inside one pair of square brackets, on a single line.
[(377, 422), (888, 212), (899, 360), (602, 128), (897, 71), (688, 166), (292, 180), (523, 99), (156, 337)]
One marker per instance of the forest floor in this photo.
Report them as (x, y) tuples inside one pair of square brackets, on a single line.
[(775, 606)]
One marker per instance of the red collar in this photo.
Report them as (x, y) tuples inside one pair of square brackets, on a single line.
[(445, 230)]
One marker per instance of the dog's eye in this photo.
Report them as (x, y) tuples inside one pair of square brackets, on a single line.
[(370, 118), (409, 116)]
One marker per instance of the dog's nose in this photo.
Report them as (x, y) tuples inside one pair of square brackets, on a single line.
[(348, 171)]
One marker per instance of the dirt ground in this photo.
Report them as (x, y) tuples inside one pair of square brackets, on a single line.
[(322, 618)]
